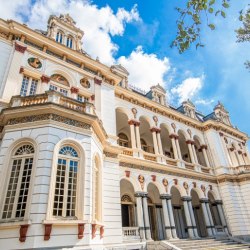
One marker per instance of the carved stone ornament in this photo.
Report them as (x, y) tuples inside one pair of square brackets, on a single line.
[(141, 179), (173, 126), (85, 83), (23, 232), (80, 231), (20, 48), (47, 231), (203, 188), (189, 132), (127, 173), (94, 229), (165, 184), (34, 63), (153, 177), (134, 111), (155, 118), (185, 185)]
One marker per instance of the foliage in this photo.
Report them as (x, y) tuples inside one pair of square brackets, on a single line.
[(243, 33), (190, 20)]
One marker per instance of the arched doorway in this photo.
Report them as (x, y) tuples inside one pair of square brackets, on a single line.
[(198, 214), (214, 211), (184, 147), (122, 129), (179, 214), (166, 142), (128, 211), (155, 213), (146, 136)]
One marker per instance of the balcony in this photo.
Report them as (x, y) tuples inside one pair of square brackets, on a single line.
[(130, 233), (55, 98)]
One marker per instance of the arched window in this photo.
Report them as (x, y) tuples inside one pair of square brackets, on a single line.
[(123, 140), (59, 37), (66, 182), (19, 183), (69, 42), (97, 191)]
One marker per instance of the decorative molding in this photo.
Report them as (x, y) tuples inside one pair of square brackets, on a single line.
[(44, 117), (141, 179), (127, 173), (110, 155), (165, 196), (155, 129), (97, 81), (45, 79), (221, 134), (74, 90), (20, 48), (80, 231), (203, 147), (92, 97), (176, 137), (23, 232), (47, 231), (101, 232), (153, 177), (134, 122), (141, 194)]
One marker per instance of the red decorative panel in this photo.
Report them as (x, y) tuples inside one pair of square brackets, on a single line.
[(127, 173), (94, 228), (101, 232), (97, 81), (45, 79), (153, 177), (175, 181), (23, 232), (21, 70), (74, 90), (20, 48), (80, 231), (47, 231), (204, 146), (194, 183)]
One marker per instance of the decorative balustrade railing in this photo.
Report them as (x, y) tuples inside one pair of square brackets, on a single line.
[(130, 233), (53, 97)]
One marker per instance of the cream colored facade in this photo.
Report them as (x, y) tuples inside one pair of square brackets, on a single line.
[(87, 161)]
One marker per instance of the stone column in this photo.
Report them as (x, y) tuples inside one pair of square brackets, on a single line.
[(187, 215), (132, 133), (204, 151), (172, 137), (166, 216), (178, 146), (146, 217), (206, 217), (137, 136), (210, 218), (192, 218), (158, 134), (194, 152), (140, 219), (171, 216), (190, 151), (222, 216), (153, 130)]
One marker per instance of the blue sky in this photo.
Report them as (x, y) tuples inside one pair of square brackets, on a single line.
[(138, 34)]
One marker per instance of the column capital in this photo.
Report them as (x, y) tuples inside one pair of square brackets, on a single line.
[(218, 202), (141, 194), (190, 142), (176, 137), (97, 81), (165, 196), (134, 122), (204, 146), (186, 198), (204, 200), (155, 129)]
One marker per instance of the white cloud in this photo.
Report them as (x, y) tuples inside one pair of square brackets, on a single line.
[(204, 102), (98, 24), (145, 69), (188, 88)]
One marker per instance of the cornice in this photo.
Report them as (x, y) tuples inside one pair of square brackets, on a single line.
[(16, 28), (141, 164), (234, 178), (144, 102)]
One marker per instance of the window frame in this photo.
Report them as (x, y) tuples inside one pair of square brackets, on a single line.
[(30, 81), (80, 198), (10, 157)]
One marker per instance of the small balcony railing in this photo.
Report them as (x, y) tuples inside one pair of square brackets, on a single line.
[(52, 97), (130, 233)]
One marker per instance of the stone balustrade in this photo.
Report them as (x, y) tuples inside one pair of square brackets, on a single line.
[(130, 233)]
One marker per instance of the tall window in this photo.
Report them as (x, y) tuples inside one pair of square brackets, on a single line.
[(59, 37), (19, 183), (69, 42), (96, 191), (66, 182), (29, 86)]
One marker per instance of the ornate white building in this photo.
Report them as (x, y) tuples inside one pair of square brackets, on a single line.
[(88, 162)]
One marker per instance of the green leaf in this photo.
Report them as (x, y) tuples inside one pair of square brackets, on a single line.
[(210, 10), (223, 14), (211, 2), (211, 26), (225, 5)]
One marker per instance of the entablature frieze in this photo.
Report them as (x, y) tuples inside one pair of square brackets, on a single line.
[(144, 102)]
